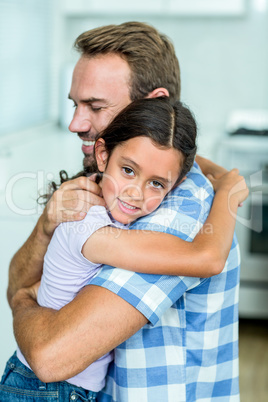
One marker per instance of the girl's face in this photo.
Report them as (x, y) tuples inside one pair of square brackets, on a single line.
[(137, 177)]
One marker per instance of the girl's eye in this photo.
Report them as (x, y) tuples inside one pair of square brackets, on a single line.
[(128, 171), (156, 184)]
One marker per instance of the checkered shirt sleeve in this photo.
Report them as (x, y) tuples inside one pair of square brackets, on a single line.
[(169, 359)]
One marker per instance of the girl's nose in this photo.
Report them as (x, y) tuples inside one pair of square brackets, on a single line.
[(134, 191)]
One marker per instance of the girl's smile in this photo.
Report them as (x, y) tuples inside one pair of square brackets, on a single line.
[(137, 176), (127, 208)]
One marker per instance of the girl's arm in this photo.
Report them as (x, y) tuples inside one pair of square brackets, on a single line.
[(209, 167), (165, 254)]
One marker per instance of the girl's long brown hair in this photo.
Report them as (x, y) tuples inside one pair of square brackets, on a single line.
[(167, 125)]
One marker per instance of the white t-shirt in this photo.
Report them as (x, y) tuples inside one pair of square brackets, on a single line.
[(66, 271)]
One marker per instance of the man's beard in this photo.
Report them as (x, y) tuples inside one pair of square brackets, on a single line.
[(90, 165), (88, 161)]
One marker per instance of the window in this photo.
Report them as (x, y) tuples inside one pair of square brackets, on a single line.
[(25, 45)]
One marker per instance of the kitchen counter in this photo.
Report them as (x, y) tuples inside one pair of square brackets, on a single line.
[(28, 161)]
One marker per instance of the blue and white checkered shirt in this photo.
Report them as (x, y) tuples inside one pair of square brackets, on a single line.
[(189, 349)]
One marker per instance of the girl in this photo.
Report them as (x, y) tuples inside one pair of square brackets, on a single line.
[(144, 153)]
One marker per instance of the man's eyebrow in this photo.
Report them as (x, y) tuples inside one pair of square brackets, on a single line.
[(89, 100), (137, 166)]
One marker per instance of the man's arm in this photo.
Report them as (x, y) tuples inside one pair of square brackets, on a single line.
[(26, 266), (209, 167), (69, 203), (60, 344)]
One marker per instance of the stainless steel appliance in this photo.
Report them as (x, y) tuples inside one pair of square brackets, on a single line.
[(249, 153)]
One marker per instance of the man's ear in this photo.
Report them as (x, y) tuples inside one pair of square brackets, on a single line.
[(101, 154), (156, 93)]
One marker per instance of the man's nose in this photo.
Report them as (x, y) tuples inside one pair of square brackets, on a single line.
[(80, 123)]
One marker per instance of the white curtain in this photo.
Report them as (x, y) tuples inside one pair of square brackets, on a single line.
[(25, 73)]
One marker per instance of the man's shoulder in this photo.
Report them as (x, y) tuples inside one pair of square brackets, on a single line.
[(196, 185), (196, 188)]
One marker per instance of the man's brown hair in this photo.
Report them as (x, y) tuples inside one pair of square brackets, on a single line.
[(149, 54)]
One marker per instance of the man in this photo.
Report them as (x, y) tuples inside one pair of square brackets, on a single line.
[(179, 334)]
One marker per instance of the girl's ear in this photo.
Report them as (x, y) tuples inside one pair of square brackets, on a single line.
[(101, 154)]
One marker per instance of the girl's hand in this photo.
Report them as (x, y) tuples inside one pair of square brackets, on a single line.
[(33, 290), (71, 202), (232, 183)]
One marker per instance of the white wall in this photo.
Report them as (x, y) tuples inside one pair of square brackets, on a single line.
[(224, 62), (33, 158)]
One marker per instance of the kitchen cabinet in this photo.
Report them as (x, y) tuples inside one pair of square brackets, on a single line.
[(28, 160), (82, 7), (153, 7), (206, 7), (249, 153)]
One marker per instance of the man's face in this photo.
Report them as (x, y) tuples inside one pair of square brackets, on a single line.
[(100, 90)]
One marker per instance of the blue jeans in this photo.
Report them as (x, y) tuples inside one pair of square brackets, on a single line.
[(20, 384)]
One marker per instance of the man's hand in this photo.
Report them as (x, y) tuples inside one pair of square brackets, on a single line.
[(71, 202), (29, 293)]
